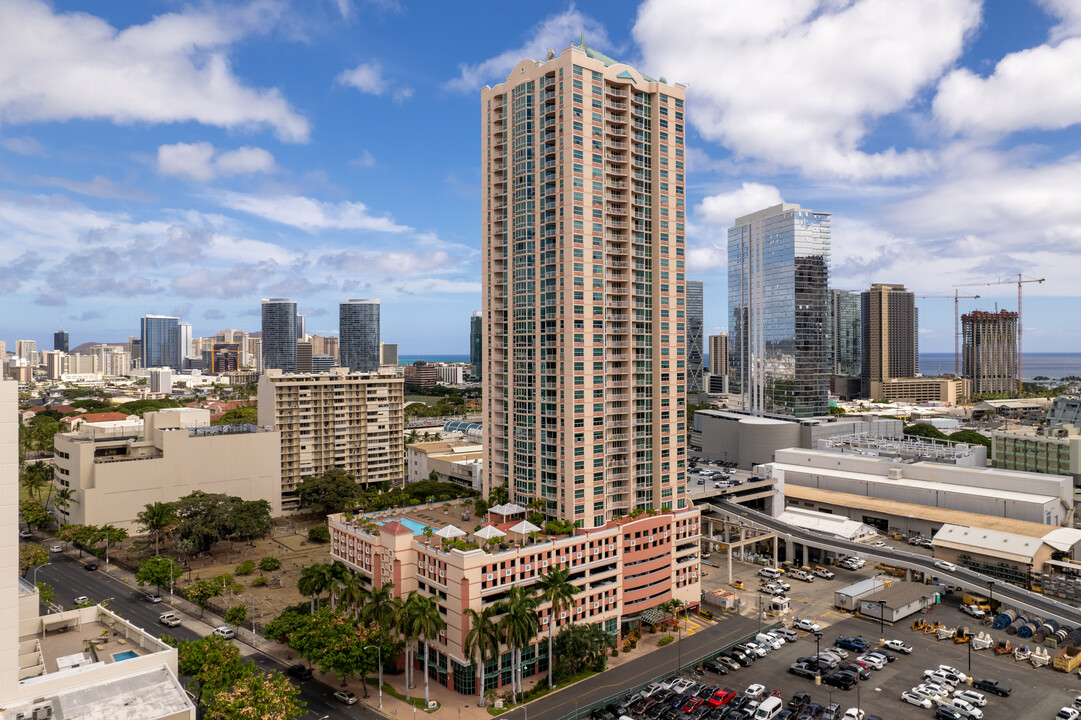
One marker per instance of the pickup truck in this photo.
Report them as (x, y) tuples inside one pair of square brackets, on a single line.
[(169, 619), (824, 573), (802, 575)]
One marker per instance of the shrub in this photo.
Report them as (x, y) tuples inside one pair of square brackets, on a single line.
[(245, 568), (319, 534), (237, 588), (665, 640), (260, 581), (269, 564)]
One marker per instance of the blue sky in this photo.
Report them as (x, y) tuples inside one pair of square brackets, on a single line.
[(191, 158)]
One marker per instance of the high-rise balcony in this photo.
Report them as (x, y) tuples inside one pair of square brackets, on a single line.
[(615, 91)]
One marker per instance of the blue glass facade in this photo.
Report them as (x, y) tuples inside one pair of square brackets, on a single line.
[(694, 336), (280, 334), (358, 328), (778, 283), (845, 328), (160, 337), (476, 345)]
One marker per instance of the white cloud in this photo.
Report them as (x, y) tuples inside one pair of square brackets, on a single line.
[(366, 77), (555, 32), (1038, 88), (57, 66), (799, 83), (24, 145), (706, 258), (198, 162), (1069, 14), (724, 208), (437, 285), (397, 262), (99, 187), (309, 214), (366, 159)]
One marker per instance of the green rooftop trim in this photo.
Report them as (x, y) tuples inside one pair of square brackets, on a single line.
[(625, 74), (609, 62)]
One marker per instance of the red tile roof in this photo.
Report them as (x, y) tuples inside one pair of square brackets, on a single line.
[(97, 417), (396, 528)]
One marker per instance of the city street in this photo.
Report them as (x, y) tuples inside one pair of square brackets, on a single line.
[(71, 579)]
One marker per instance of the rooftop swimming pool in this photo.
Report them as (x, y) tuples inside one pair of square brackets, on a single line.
[(126, 655), (416, 527)]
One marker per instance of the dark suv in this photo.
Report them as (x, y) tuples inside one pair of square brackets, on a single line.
[(840, 680), (300, 671)]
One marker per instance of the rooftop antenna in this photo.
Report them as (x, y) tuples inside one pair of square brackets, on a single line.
[(551, 54), (582, 42)]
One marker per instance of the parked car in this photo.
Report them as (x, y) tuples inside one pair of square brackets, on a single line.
[(799, 700), (788, 635), (803, 575), (754, 691), (992, 686), (832, 712), (300, 671), (730, 663), (345, 696), (973, 610), (961, 677), (940, 677), (852, 667), (1068, 713), (899, 646), (969, 710), (884, 654), (841, 680), (824, 573), (806, 624), (90, 566), (224, 631), (56, 548), (721, 697), (977, 699), (803, 670), (153, 598), (717, 667), (913, 698), (945, 712), (854, 714), (874, 661), (914, 540), (852, 643)]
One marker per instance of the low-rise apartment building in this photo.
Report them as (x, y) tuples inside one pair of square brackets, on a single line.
[(352, 421), (457, 461), (624, 568), (116, 468)]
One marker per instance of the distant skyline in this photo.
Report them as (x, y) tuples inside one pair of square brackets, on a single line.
[(189, 160)]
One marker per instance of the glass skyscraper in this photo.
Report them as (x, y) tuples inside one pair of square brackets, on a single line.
[(358, 331), (778, 282), (280, 335), (160, 336), (694, 336), (845, 328), (476, 343), (60, 341)]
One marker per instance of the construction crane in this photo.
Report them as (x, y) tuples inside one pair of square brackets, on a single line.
[(1020, 281), (956, 325)]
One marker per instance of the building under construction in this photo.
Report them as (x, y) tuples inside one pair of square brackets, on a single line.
[(989, 358)]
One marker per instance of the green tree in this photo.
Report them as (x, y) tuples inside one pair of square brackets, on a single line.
[(36, 478), (247, 415), (236, 615), (269, 564), (46, 592), (319, 534), (332, 492), (63, 498), (158, 520), (333, 642), (556, 588), (498, 495), (31, 555), (353, 594), (268, 696), (34, 514), (409, 628), (482, 643), (213, 664), (201, 592), (380, 606), (157, 570), (429, 623), (971, 437), (519, 625), (291, 620), (111, 535), (314, 580), (924, 430)]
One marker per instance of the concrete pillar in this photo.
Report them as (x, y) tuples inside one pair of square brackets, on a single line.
[(729, 564), (804, 554), (776, 542)]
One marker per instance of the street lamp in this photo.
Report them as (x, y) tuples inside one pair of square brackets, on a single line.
[(882, 618), (36, 572), (380, 651), (818, 654), (991, 595)]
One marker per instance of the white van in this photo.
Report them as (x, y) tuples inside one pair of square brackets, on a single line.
[(770, 709), (771, 573), (764, 639)]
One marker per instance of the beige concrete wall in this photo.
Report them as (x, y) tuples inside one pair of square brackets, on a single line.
[(9, 538)]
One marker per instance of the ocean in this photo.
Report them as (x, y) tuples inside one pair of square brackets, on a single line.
[(1051, 365), (410, 359)]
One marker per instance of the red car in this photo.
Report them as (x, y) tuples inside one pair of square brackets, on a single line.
[(721, 697), (692, 703)]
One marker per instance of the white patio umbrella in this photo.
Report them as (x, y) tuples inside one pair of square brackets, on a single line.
[(449, 532), (488, 532)]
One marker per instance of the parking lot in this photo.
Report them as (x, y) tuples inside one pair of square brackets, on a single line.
[(1037, 692)]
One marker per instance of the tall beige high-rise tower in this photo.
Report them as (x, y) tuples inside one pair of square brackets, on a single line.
[(890, 329), (584, 294)]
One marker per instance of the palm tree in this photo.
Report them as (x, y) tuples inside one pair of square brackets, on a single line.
[(555, 587), (337, 575), (36, 478), (498, 495), (429, 622), (412, 437), (354, 593), (519, 625), (598, 641), (380, 606), (313, 580), (63, 499), (481, 643), (409, 628), (158, 519)]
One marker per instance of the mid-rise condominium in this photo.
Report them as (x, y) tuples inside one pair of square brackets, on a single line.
[(989, 358), (695, 368), (352, 421), (778, 282), (160, 342), (279, 335), (358, 332), (890, 337), (585, 371)]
